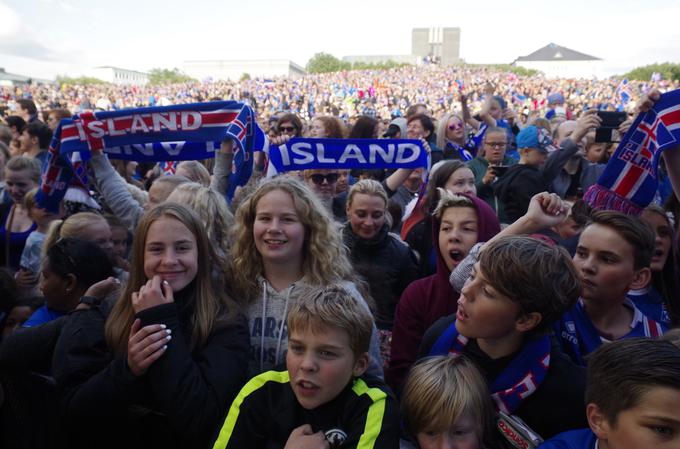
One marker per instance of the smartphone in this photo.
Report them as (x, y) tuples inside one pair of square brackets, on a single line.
[(500, 169), (610, 122)]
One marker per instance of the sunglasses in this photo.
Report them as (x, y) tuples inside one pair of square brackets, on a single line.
[(287, 129), (330, 178), (455, 126)]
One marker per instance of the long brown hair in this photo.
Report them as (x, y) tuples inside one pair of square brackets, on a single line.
[(210, 304)]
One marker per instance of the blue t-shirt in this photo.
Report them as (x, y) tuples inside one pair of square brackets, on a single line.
[(574, 439), (41, 316)]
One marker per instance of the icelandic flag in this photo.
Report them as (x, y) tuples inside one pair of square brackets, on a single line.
[(623, 93), (168, 167), (630, 179)]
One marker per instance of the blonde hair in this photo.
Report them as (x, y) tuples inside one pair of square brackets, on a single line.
[(196, 172), (212, 209), (441, 128), (71, 227), (325, 258), (210, 304), (441, 389), (367, 187), (21, 163), (448, 199), (29, 199), (319, 308)]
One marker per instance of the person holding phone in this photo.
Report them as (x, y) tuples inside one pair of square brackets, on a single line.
[(490, 164)]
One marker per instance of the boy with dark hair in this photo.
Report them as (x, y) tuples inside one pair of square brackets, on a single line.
[(323, 399), (632, 395), (517, 289), (613, 256)]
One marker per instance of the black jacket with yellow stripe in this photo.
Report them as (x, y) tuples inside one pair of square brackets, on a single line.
[(365, 415)]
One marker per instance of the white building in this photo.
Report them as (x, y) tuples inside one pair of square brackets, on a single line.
[(556, 61), (234, 69), (116, 75)]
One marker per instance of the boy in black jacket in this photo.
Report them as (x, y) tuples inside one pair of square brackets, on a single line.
[(517, 289), (322, 399), (540, 162)]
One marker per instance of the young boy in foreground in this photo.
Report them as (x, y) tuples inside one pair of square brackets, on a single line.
[(323, 400), (518, 288), (633, 394)]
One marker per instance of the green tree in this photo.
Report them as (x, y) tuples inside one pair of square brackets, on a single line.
[(245, 77), (81, 80), (324, 62), (668, 71), (168, 76)]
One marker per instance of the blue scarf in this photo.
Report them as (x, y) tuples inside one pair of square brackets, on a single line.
[(303, 154), (578, 336), (630, 179), (520, 379), (168, 133)]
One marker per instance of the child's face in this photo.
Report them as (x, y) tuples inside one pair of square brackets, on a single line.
[(457, 234), (595, 152), (461, 181), (653, 423), (605, 262), (483, 312), (462, 435), (663, 238), (170, 251), (278, 232), (321, 365), (41, 216)]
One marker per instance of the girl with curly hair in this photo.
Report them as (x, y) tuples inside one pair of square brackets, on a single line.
[(284, 239)]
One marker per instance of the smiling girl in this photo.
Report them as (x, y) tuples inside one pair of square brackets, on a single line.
[(162, 363), (283, 240)]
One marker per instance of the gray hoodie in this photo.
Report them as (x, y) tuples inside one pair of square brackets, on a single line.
[(269, 341)]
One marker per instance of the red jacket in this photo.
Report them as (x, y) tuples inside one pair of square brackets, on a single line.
[(426, 300)]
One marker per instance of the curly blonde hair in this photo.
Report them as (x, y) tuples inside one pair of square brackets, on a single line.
[(325, 257)]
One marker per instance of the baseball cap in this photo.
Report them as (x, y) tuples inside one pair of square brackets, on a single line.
[(535, 137)]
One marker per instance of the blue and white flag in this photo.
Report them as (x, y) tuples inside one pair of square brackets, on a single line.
[(167, 133), (304, 154)]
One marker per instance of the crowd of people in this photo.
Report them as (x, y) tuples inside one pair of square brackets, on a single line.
[(477, 303)]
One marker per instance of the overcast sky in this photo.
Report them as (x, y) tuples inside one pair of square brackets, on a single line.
[(43, 38)]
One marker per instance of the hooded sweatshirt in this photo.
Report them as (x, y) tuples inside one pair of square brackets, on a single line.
[(426, 300), (267, 316)]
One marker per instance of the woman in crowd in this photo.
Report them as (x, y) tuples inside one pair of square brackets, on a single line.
[(453, 176), (21, 175), (453, 139), (386, 263), (161, 364), (284, 239)]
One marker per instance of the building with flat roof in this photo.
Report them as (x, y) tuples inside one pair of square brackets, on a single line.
[(556, 61), (117, 75), (12, 79), (440, 45), (234, 69)]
